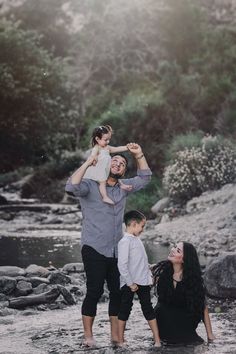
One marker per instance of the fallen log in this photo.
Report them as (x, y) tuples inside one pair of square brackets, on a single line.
[(31, 300)]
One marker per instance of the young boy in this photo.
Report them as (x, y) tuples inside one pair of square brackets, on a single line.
[(135, 275)]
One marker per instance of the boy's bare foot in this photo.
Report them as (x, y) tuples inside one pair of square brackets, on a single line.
[(108, 200), (157, 344)]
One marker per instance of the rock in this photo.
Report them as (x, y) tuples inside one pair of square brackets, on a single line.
[(11, 271), (73, 268), (220, 276), (41, 288), (67, 295), (35, 270), (3, 200), (35, 281), (23, 288), (59, 278), (160, 205), (7, 285), (3, 297)]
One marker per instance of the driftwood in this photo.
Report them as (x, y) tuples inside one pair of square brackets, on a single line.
[(31, 300)]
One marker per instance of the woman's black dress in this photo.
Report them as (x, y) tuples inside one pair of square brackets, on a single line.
[(175, 323)]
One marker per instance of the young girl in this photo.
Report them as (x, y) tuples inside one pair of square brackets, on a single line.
[(102, 160)]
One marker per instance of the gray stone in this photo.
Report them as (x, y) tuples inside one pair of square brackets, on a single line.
[(59, 278), (220, 276), (35, 270), (23, 288), (160, 205), (66, 295), (41, 288), (11, 271), (7, 285), (35, 281), (73, 268)]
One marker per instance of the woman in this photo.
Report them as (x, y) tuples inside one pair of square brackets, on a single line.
[(181, 297)]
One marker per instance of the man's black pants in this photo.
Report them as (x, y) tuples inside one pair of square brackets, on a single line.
[(99, 268)]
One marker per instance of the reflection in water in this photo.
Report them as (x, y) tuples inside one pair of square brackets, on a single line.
[(24, 251), (59, 251)]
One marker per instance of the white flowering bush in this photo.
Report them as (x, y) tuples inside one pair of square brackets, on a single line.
[(198, 169)]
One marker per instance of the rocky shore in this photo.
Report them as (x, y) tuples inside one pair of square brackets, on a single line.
[(40, 305)]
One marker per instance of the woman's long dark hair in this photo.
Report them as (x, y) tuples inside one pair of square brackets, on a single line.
[(192, 280)]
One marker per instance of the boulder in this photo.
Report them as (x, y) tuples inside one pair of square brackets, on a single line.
[(73, 268), (7, 285), (11, 271), (35, 270), (23, 288), (59, 278), (160, 205), (220, 276)]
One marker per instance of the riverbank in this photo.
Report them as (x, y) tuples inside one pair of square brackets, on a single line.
[(60, 332)]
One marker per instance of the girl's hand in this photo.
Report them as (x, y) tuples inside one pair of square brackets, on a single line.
[(134, 148)]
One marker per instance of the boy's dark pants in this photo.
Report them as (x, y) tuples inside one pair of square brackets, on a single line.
[(99, 268), (144, 296)]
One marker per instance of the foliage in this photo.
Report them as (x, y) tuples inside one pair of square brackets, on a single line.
[(184, 141), (198, 169), (35, 100), (143, 200), (48, 181)]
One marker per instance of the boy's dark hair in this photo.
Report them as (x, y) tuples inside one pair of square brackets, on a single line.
[(133, 215)]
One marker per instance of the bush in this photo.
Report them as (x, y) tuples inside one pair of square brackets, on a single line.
[(146, 198), (48, 181), (199, 169)]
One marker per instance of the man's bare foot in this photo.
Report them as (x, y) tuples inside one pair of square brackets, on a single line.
[(122, 344), (89, 342), (108, 200)]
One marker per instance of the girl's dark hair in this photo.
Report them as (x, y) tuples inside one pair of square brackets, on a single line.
[(192, 281), (99, 131)]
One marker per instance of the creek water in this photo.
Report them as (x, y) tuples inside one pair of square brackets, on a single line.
[(21, 252)]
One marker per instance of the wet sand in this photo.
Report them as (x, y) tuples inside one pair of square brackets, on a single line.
[(60, 332)]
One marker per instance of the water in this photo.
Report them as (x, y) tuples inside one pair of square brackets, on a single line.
[(22, 251)]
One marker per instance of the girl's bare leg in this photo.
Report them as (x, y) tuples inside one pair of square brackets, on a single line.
[(103, 191), (126, 187)]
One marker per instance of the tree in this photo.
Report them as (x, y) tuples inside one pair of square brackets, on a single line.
[(36, 103)]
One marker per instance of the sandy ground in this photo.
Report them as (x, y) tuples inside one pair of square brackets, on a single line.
[(60, 331)]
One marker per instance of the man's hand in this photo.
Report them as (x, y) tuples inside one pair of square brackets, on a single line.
[(134, 148), (91, 160), (133, 287)]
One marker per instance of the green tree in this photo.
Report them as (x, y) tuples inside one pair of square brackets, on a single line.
[(36, 102)]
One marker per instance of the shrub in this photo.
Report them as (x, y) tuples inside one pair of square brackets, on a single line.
[(144, 199), (199, 169), (48, 181)]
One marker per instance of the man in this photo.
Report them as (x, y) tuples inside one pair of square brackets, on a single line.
[(101, 232)]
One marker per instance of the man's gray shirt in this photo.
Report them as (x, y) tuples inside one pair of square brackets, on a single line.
[(102, 222)]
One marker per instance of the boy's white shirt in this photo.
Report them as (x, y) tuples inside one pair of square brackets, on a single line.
[(133, 262)]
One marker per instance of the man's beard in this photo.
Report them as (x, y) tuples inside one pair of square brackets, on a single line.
[(115, 175)]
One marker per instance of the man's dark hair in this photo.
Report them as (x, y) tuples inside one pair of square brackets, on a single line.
[(123, 156), (133, 215)]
